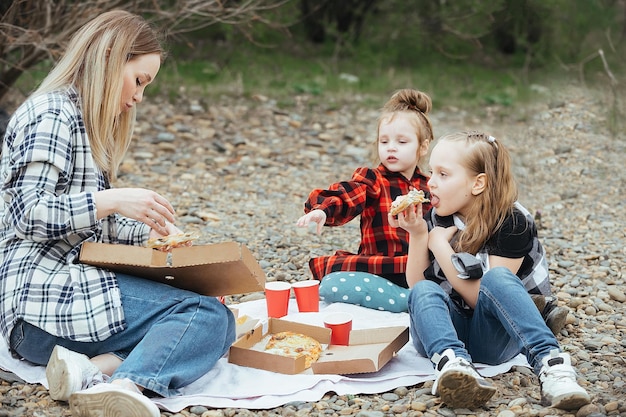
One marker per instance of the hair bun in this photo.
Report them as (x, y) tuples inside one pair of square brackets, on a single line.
[(409, 99)]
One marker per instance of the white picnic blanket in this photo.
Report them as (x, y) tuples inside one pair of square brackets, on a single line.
[(229, 385)]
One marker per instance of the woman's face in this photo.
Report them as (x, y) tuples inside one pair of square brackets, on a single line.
[(138, 73), (398, 144), (450, 183)]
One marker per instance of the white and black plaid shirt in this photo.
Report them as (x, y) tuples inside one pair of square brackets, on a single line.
[(48, 180), (533, 272)]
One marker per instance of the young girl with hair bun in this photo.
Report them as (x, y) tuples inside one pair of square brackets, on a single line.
[(473, 262), (375, 276)]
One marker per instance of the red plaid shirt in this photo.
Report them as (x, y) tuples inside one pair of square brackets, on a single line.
[(383, 249)]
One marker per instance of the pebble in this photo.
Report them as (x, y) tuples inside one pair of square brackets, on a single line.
[(240, 169)]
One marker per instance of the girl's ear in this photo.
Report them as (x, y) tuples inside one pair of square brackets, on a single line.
[(423, 151), (480, 183)]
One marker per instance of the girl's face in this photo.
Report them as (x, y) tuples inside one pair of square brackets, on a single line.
[(452, 186), (398, 145), (138, 73)]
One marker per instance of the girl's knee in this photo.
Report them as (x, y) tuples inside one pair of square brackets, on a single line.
[(423, 292), (425, 287), (501, 280)]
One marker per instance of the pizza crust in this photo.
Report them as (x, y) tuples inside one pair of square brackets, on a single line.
[(403, 202), (170, 242), (294, 345)]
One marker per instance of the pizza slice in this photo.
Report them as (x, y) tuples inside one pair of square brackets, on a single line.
[(403, 202), (294, 345), (167, 243)]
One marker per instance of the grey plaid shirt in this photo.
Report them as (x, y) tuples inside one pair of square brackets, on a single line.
[(48, 180)]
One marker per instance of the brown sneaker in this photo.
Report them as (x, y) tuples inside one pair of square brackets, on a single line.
[(539, 300), (555, 318)]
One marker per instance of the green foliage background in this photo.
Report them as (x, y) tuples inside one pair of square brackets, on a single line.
[(453, 50), (465, 52)]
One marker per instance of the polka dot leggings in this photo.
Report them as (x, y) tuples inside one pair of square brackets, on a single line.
[(364, 289)]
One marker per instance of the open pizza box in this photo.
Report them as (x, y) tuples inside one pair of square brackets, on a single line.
[(369, 349), (216, 269)]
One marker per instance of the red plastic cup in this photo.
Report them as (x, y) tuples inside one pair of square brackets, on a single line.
[(307, 295), (277, 298), (340, 324)]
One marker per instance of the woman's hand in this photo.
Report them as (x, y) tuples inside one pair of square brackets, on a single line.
[(140, 204), (316, 216)]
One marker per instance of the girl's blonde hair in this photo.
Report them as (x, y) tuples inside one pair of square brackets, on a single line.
[(484, 154), (93, 64), (414, 102)]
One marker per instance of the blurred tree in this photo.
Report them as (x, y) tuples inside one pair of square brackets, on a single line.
[(32, 31), (344, 16), (533, 30)]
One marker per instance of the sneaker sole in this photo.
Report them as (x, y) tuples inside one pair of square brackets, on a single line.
[(567, 402), (556, 319), (460, 390), (58, 374), (116, 403)]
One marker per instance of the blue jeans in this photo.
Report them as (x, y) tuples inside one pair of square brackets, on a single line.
[(504, 323), (172, 336)]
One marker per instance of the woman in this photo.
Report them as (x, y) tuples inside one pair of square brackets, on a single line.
[(60, 153)]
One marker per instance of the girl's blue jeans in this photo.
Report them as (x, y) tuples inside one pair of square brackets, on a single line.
[(172, 338), (504, 322)]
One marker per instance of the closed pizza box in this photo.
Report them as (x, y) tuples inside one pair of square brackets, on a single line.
[(369, 349), (216, 269)]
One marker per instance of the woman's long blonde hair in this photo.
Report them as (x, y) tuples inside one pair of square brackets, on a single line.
[(93, 64), (414, 102), (484, 154)]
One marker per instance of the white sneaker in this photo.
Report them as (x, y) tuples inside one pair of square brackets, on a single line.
[(559, 388), (68, 372), (458, 383), (111, 400)]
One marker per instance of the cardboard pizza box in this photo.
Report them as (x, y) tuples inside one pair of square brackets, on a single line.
[(369, 349), (216, 269), (242, 352)]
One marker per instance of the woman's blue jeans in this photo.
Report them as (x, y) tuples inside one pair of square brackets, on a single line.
[(504, 323), (172, 338)]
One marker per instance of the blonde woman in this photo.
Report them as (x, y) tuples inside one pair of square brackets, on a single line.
[(105, 337), (473, 261)]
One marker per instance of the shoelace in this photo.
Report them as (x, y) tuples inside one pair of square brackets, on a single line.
[(99, 378), (560, 372)]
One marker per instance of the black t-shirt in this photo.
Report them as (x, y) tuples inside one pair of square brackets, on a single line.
[(516, 238)]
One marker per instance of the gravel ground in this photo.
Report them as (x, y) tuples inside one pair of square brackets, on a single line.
[(240, 169)]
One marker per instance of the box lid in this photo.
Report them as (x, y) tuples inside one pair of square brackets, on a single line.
[(369, 351), (216, 269)]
